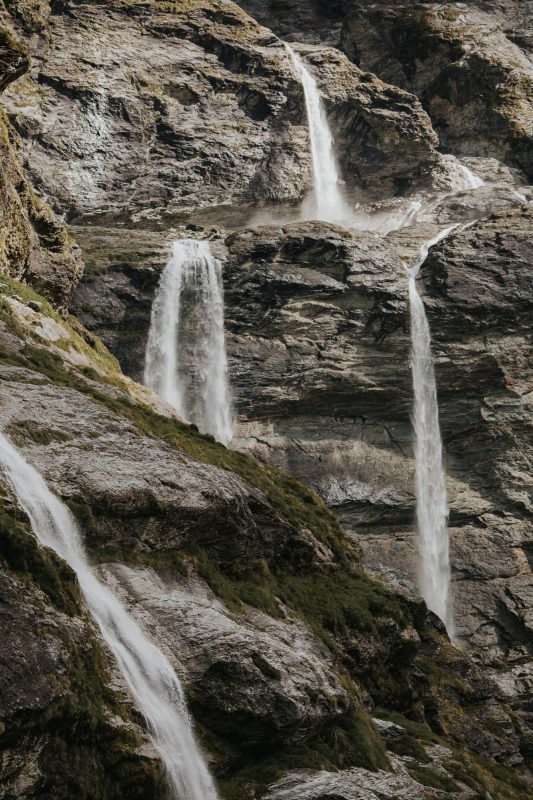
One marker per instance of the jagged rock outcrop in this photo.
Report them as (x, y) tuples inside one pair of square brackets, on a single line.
[(319, 21), (63, 729), (478, 296), (275, 560), (34, 245), (383, 138), (173, 110), (474, 80), (319, 353), (136, 116)]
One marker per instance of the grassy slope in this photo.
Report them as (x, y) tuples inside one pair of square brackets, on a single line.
[(336, 601)]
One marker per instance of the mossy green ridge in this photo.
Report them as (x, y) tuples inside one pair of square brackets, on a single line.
[(20, 553), (356, 617), (354, 742)]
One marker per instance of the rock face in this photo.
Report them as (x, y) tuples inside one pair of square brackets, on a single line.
[(34, 246), (318, 340), (282, 663), (384, 139), (188, 109), (473, 78), (478, 296), (174, 110), (306, 677), (353, 444), (54, 678), (319, 21)]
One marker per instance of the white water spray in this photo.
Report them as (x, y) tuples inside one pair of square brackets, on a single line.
[(431, 495), (326, 201), (152, 682), (464, 180), (186, 362)]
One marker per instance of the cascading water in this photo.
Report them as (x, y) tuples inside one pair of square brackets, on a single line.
[(186, 362), (464, 179), (149, 676), (326, 201), (431, 495)]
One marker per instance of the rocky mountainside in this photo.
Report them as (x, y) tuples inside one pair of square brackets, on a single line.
[(277, 576)]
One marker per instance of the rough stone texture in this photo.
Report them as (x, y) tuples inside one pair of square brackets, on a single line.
[(142, 114), (174, 502), (166, 110), (217, 653), (384, 139), (56, 710), (254, 681), (319, 21), (115, 297), (354, 446), (318, 341), (475, 83), (34, 246), (169, 112), (360, 784), (479, 301)]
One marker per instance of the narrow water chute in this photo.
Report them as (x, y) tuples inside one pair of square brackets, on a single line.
[(186, 361), (326, 201), (149, 676), (431, 495)]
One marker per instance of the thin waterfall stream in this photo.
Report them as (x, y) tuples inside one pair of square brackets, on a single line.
[(431, 496), (326, 201), (186, 362), (150, 678)]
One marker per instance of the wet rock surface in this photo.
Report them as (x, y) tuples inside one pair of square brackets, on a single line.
[(143, 122), (255, 678), (173, 111), (464, 61), (54, 679)]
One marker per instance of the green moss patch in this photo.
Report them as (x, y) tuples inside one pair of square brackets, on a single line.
[(353, 742), (487, 777), (21, 553), (435, 780)]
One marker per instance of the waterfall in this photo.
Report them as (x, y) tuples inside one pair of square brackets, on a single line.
[(186, 362), (149, 676), (431, 496), (326, 201), (463, 179)]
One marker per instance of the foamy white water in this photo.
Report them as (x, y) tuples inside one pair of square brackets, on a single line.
[(153, 684), (431, 497), (384, 222), (186, 362), (464, 179), (326, 201)]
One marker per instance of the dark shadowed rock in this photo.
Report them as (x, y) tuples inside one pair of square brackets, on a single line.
[(474, 81)]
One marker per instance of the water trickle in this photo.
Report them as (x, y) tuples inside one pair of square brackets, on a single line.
[(152, 682), (431, 495), (186, 362), (464, 180), (326, 201)]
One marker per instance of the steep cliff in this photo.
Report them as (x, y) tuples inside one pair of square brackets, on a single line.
[(33, 243), (464, 61), (286, 648), (307, 677)]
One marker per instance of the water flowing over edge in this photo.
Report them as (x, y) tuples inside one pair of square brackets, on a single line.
[(192, 267), (434, 572), (326, 201), (151, 680)]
